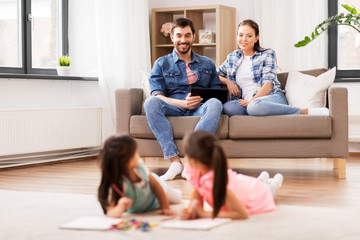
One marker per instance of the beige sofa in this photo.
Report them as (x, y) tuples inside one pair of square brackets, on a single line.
[(287, 136)]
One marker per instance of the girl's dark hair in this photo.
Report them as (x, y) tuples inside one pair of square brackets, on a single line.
[(204, 147), (182, 23), (115, 156), (255, 26)]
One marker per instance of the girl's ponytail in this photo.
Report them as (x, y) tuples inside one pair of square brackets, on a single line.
[(220, 177), (204, 147), (115, 156)]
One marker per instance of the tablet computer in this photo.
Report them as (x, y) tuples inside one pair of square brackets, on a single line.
[(207, 93)]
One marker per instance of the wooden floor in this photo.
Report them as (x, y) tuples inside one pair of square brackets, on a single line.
[(310, 182)]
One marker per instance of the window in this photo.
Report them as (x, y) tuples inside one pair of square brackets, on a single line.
[(34, 35), (344, 44), (10, 38)]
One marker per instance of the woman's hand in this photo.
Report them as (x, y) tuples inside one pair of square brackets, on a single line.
[(233, 88), (243, 102)]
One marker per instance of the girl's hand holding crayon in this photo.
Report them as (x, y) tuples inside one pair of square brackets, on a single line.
[(187, 215), (125, 203), (192, 211)]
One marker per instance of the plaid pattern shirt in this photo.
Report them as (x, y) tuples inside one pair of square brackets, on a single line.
[(263, 67)]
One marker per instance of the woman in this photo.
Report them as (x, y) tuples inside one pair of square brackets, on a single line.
[(250, 76)]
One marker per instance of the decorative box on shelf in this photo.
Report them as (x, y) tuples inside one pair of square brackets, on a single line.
[(206, 36)]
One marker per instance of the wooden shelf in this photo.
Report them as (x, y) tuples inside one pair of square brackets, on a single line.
[(222, 17)]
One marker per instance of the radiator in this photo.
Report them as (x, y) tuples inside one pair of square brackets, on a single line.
[(34, 131)]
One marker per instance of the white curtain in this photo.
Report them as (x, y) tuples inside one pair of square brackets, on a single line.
[(123, 45), (283, 23)]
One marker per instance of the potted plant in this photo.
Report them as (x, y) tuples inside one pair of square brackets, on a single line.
[(64, 66), (352, 19)]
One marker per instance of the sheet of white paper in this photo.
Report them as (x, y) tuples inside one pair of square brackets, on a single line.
[(91, 223), (196, 224)]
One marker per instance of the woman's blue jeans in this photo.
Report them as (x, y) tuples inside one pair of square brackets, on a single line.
[(275, 104), (157, 110)]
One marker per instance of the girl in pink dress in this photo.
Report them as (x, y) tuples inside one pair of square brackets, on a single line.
[(231, 195)]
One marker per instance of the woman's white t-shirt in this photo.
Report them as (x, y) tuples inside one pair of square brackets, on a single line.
[(244, 78)]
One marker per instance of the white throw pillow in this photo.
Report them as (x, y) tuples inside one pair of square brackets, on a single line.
[(305, 91), (145, 84)]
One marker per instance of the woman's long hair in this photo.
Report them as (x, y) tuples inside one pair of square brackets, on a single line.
[(115, 156), (255, 26), (204, 147)]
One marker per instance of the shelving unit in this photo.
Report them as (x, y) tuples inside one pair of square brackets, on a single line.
[(222, 18)]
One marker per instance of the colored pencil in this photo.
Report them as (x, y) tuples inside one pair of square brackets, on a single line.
[(191, 199), (117, 190)]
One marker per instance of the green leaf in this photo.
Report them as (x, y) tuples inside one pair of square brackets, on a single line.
[(351, 19), (301, 43), (349, 9)]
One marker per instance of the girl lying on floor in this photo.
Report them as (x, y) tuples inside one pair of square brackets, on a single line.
[(231, 195), (127, 185)]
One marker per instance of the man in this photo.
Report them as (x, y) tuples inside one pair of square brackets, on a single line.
[(171, 80)]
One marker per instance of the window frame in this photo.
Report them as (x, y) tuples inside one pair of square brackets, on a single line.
[(26, 50), (341, 75)]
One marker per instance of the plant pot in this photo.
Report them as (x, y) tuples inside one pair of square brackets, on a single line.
[(63, 70)]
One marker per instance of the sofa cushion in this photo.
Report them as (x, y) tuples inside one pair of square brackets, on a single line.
[(282, 77), (305, 91), (139, 127), (286, 126)]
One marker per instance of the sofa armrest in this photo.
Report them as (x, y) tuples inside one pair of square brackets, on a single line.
[(338, 106), (128, 102)]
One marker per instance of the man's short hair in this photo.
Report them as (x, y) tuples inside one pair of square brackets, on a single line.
[(182, 23)]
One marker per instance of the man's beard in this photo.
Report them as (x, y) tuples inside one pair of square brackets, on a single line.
[(178, 48)]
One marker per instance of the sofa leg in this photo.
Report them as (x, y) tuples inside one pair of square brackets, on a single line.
[(336, 163), (340, 163)]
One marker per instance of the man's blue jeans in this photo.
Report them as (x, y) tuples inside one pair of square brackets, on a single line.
[(157, 110), (275, 104)]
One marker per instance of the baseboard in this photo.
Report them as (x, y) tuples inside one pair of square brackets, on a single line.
[(354, 153), (354, 148)]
